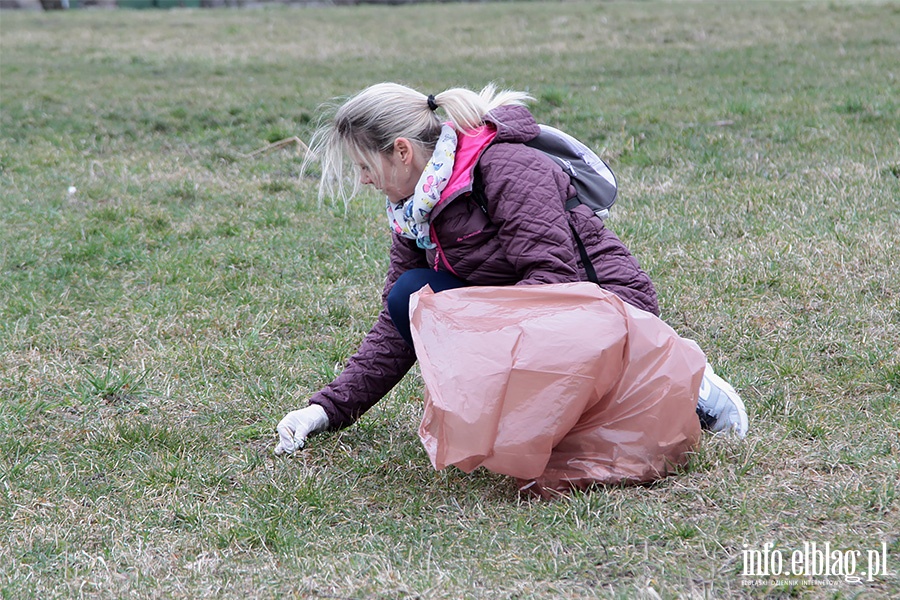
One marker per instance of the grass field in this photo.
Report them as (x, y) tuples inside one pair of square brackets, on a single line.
[(157, 321)]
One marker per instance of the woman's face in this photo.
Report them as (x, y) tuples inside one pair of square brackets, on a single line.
[(399, 172)]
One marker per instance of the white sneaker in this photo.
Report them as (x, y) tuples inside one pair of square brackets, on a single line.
[(719, 406)]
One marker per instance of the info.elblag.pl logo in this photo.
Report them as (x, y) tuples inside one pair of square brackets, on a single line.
[(815, 562)]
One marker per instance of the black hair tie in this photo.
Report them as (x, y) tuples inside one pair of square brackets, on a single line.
[(431, 103)]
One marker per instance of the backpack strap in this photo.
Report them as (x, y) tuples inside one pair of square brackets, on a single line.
[(585, 259), (477, 193)]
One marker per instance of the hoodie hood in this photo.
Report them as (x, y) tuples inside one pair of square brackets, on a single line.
[(506, 124), (514, 124)]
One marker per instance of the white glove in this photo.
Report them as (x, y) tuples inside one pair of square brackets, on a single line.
[(297, 425)]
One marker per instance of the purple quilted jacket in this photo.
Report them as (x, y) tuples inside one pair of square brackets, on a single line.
[(523, 239)]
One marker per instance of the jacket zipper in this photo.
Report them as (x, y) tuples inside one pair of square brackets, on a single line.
[(439, 254)]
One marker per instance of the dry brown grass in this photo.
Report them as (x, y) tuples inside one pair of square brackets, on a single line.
[(156, 324)]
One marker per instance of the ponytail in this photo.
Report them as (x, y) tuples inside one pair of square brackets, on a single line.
[(467, 109)]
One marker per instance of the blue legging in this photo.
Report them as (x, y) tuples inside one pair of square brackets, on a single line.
[(408, 284)]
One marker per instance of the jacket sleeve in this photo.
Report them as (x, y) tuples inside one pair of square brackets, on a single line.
[(525, 194), (383, 357)]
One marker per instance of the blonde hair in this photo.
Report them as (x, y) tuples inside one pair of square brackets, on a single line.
[(368, 123)]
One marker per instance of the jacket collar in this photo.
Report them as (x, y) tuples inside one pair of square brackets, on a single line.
[(469, 149)]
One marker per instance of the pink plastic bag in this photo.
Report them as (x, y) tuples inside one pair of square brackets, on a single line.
[(559, 386)]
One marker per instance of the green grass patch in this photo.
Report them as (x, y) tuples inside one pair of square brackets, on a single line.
[(157, 321)]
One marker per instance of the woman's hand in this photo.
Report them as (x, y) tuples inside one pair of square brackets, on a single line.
[(297, 425)]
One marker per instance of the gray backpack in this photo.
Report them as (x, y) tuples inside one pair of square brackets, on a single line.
[(592, 178)]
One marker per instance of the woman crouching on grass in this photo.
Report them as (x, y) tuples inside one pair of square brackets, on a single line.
[(427, 165)]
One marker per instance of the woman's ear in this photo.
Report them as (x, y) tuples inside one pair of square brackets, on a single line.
[(403, 148)]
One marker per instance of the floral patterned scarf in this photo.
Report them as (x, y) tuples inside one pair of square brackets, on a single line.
[(411, 217)]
